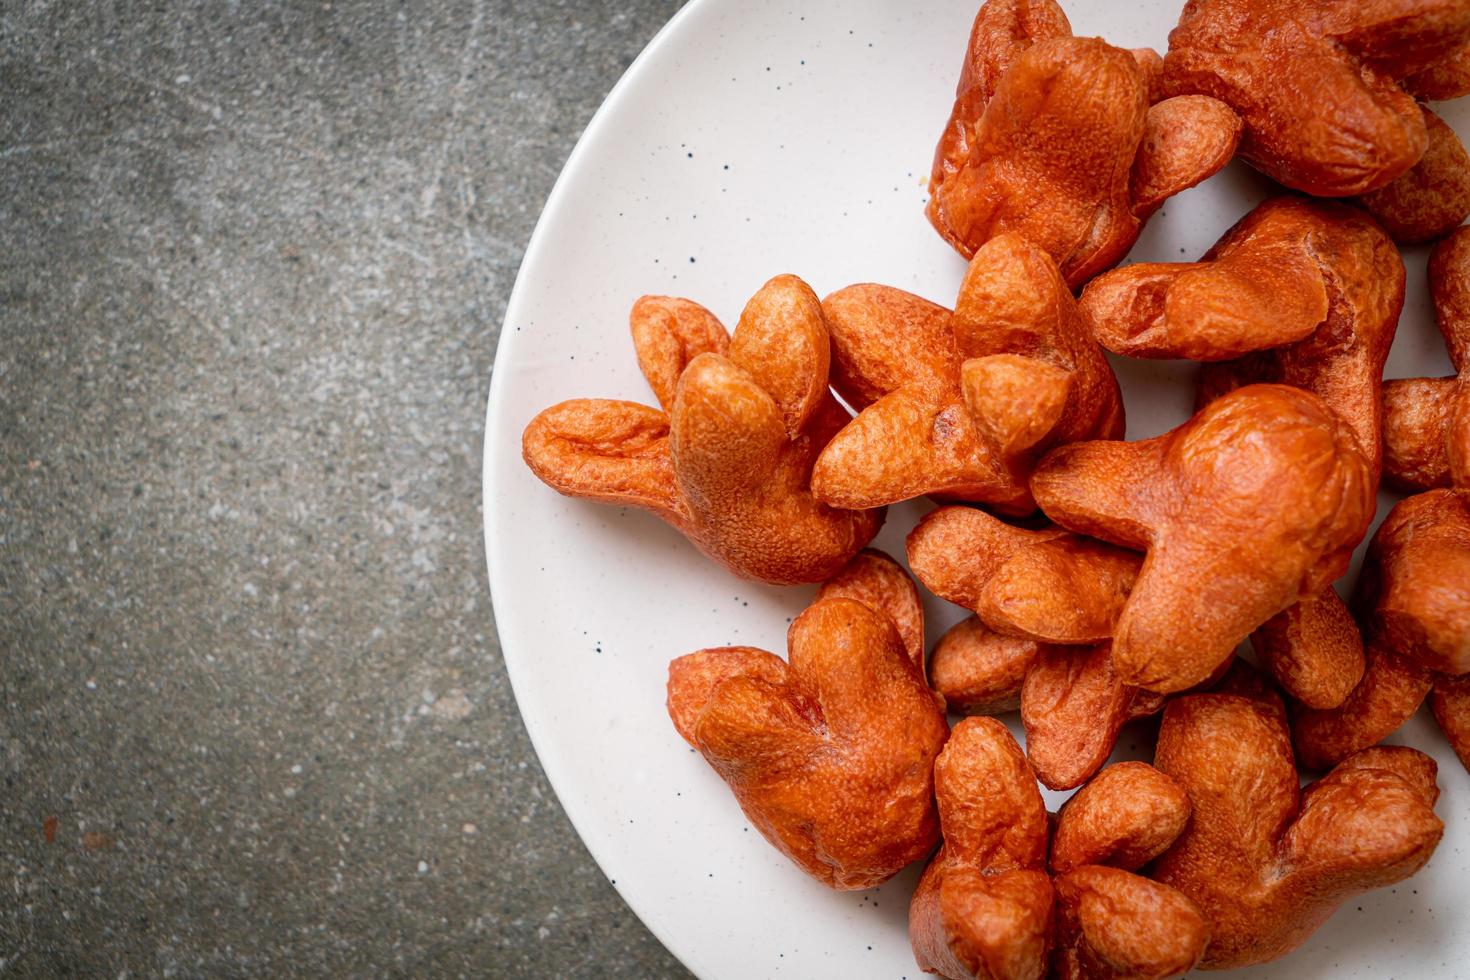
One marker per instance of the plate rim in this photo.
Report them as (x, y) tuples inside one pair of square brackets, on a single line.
[(496, 562)]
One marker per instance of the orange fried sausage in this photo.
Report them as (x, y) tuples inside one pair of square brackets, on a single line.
[(829, 753), (1053, 137), (962, 404), (1413, 601), (1251, 505), (728, 460), (1267, 862), (986, 906), (1426, 427), (1320, 83)]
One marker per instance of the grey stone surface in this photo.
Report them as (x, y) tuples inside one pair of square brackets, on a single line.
[(253, 261)]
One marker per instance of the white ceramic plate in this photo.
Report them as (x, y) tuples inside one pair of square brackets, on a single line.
[(754, 137)]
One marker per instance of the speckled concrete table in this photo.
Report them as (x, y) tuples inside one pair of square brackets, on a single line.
[(253, 261)]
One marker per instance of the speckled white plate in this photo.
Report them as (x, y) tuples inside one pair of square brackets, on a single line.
[(754, 137)]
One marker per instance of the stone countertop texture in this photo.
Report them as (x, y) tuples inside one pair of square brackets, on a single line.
[(253, 263)]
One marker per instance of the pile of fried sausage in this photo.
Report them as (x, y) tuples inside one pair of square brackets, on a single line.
[(1108, 580)]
